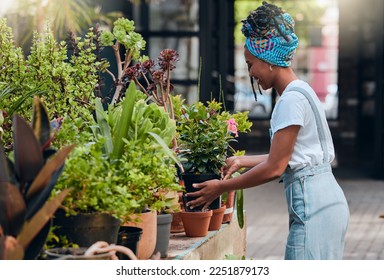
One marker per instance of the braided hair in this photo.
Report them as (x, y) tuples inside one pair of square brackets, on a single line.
[(270, 33), (264, 19), (270, 36)]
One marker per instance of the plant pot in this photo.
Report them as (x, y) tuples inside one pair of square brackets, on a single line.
[(177, 223), (229, 203), (190, 178), (196, 223), (163, 234), (129, 237), (74, 254), (148, 222), (217, 218), (86, 229)]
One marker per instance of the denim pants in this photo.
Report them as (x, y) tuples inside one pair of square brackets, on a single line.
[(318, 214)]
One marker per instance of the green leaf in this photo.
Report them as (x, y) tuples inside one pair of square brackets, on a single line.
[(166, 149), (240, 207), (124, 121), (105, 130)]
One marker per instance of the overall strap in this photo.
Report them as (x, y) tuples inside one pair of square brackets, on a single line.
[(319, 124)]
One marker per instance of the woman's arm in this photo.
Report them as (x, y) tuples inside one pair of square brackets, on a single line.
[(271, 168), (235, 163)]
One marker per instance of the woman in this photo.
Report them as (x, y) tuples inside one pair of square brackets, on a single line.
[(301, 144)]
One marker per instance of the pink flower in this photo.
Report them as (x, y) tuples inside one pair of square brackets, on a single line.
[(232, 126)]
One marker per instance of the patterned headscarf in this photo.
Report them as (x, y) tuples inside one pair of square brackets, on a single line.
[(270, 35)]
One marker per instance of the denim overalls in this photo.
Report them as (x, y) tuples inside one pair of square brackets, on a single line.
[(318, 210)]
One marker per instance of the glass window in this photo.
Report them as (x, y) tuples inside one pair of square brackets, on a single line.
[(188, 49), (174, 15), (189, 92), (317, 26)]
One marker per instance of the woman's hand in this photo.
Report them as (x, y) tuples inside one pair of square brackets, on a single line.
[(209, 191), (232, 164)]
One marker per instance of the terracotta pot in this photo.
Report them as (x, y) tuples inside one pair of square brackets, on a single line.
[(217, 218), (147, 243), (229, 203), (196, 223), (177, 223)]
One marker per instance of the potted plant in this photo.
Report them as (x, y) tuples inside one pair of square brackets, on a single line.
[(196, 223), (155, 172), (26, 184), (205, 132), (71, 80), (165, 217), (217, 218), (127, 162)]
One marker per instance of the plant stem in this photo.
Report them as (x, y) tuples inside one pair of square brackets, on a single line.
[(140, 86), (119, 86)]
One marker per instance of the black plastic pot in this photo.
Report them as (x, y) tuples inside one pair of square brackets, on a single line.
[(129, 237), (189, 179), (86, 229)]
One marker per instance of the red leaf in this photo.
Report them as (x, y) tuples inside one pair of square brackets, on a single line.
[(12, 209), (28, 155)]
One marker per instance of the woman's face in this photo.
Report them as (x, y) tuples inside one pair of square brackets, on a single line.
[(258, 69)]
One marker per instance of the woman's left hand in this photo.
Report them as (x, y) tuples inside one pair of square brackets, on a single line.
[(208, 192)]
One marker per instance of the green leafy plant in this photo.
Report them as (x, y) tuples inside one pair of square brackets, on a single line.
[(127, 161), (26, 184), (152, 77), (169, 202), (123, 35), (48, 71), (205, 132)]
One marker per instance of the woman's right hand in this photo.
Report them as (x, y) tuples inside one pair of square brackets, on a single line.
[(232, 164)]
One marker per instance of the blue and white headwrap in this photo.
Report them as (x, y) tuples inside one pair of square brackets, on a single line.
[(271, 39)]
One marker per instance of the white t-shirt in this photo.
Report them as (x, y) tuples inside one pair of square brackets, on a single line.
[(293, 108)]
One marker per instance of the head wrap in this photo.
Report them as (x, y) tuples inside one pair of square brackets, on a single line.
[(270, 35)]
